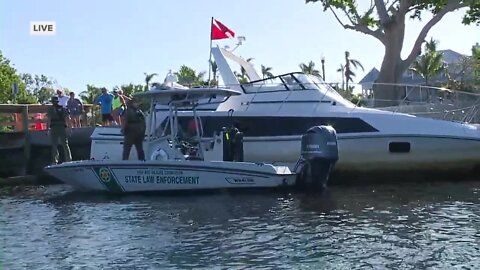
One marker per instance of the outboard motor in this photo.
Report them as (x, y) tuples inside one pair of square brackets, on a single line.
[(319, 154), (232, 144)]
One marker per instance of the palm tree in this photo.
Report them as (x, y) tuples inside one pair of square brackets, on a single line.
[(148, 78), (342, 71), (214, 66), (88, 96), (476, 63), (429, 64), (309, 68), (266, 72), (243, 72), (349, 74), (189, 76)]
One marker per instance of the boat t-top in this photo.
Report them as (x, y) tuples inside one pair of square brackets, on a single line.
[(184, 160)]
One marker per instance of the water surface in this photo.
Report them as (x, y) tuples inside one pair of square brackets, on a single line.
[(412, 226)]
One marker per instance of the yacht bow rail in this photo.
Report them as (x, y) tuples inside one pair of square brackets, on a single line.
[(427, 101)]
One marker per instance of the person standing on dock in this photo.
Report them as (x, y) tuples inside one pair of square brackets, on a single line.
[(133, 129), (75, 109), (62, 99), (118, 106), (57, 129), (105, 100)]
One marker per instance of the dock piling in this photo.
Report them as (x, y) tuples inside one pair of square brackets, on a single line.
[(26, 145)]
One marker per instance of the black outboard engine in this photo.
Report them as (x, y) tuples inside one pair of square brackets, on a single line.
[(232, 144), (319, 154)]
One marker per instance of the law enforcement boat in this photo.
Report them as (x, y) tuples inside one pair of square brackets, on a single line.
[(185, 160)]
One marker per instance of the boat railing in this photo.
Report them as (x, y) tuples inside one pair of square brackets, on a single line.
[(425, 101)]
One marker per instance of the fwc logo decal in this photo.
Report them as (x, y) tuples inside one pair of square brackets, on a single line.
[(104, 174)]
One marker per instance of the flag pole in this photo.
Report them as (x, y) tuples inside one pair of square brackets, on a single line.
[(210, 56)]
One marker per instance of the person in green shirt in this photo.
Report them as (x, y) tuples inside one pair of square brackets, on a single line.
[(133, 129), (118, 106), (57, 129)]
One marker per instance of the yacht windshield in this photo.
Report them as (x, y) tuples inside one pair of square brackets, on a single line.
[(296, 81), (327, 89)]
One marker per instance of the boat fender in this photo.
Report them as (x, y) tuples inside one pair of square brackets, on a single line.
[(159, 154)]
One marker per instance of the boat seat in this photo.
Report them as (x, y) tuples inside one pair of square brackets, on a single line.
[(193, 158)]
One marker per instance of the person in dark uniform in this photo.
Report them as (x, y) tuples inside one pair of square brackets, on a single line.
[(57, 129), (133, 128)]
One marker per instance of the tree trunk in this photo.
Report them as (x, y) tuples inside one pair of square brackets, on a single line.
[(385, 89)]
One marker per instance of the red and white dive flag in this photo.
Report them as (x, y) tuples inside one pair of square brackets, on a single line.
[(220, 31)]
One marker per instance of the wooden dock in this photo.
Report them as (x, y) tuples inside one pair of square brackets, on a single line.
[(25, 145)]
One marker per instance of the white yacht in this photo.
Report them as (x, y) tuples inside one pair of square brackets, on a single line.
[(273, 114)]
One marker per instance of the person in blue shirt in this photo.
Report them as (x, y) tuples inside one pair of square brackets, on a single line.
[(105, 100)]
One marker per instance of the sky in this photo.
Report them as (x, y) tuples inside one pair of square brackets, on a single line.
[(113, 42)]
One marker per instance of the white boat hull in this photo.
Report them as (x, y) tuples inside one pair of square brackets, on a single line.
[(365, 153), (361, 153), (139, 176)]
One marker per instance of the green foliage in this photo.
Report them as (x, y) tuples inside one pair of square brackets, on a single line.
[(266, 72), (188, 76), (8, 75), (130, 89), (347, 93), (473, 14), (5, 119), (349, 74), (243, 72), (214, 66), (385, 21), (475, 59), (341, 69), (309, 68), (148, 79), (40, 86), (416, 8), (88, 96), (429, 64)]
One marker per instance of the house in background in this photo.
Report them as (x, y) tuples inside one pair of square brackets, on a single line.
[(455, 63)]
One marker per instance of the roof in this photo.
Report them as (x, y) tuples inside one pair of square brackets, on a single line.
[(448, 56), (371, 76)]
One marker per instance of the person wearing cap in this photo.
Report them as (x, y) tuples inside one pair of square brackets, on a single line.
[(105, 101), (118, 106), (57, 129), (133, 129)]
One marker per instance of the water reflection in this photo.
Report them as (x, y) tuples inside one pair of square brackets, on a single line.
[(431, 225)]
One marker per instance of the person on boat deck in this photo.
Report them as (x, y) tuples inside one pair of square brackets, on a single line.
[(57, 129), (191, 135), (118, 106), (133, 129), (105, 101), (75, 108)]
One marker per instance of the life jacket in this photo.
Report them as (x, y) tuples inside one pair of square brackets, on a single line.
[(58, 115)]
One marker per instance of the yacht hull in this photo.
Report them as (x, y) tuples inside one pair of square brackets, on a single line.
[(364, 154), (144, 176)]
